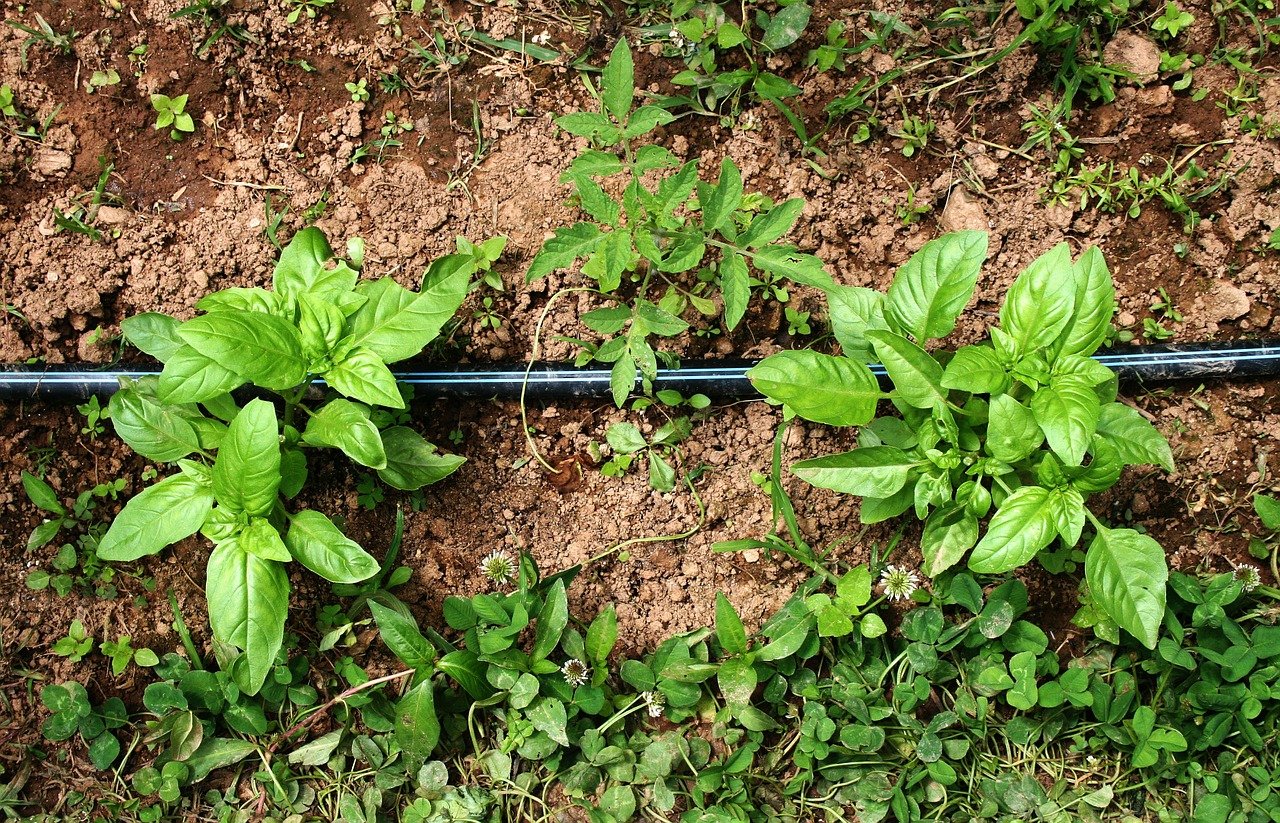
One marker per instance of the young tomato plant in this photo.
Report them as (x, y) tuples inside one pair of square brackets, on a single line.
[(655, 234), (238, 464), (1025, 426)]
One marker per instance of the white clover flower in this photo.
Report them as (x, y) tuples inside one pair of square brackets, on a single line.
[(899, 582), (655, 702), (677, 40), (1248, 576), (500, 567), (576, 673)]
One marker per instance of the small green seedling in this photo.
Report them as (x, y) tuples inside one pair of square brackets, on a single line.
[(44, 33), (1173, 21), (76, 644), (172, 114), (74, 714), (101, 79), (308, 7), (122, 653), (628, 443), (7, 107), (358, 90)]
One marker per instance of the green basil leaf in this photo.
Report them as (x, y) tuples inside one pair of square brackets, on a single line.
[(917, 377), (1041, 302), (395, 323), (560, 252), (773, 224), (735, 287), (1067, 411), (363, 375), (246, 473), (169, 511), (154, 333), (251, 601), (1017, 532), (931, 289), (978, 370), (190, 377), (1126, 573), (1068, 514), (412, 462), (721, 201), (1104, 468), (345, 425), (818, 387), (42, 494), (618, 82), (154, 430), (878, 471), (1137, 441), (316, 543), (321, 324), (238, 299), (854, 311), (260, 538), (1268, 510), (1095, 303), (302, 263), (950, 532), (1012, 431), (261, 348), (417, 727)]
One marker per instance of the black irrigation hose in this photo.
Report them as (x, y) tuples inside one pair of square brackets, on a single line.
[(721, 379)]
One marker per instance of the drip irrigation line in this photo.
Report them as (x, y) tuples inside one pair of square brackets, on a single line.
[(721, 379)]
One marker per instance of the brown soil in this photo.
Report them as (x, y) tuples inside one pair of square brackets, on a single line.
[(189, 217)]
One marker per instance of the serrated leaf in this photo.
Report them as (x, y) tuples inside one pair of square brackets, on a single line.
[(832, 390), (569, 244), (617, 82), (767, 227), (735, 287), (719, 203)]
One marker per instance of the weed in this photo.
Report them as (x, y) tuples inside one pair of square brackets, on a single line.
[(310, 8), (94, 416), (171, 113), (359, 90), (628, 444), (73, 714), (43, 33), (76, 644), (76, 562)]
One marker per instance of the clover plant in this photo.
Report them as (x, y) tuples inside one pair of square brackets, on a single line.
[(1024, 426), (238, 464), (671, 226)]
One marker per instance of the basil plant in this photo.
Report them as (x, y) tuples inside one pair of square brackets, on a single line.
[(237, 464), (1023, 427)]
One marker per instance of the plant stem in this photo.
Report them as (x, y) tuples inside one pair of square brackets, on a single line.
[(310, 719)]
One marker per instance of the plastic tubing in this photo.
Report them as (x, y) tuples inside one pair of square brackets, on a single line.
[(720, 379)]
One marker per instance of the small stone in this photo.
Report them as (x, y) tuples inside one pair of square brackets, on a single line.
[(1135, 54), (1226, 302), (962, 213)]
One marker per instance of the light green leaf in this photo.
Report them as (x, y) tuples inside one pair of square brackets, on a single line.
[(316, 543), (950, 532), (569, 244), (773, 224), (735, 287), (173, 509), (412, 462), (303, 267), (1126, 573), (251, 601), (789, 262), (878, 471), (42, 494), (978, 370), (154, 430), (1012, 432), (154, 333), (617, 82), (1019, 530), (602, 635), (1041, 301), (1137, 441), (238, 298), (854, 311), (261, 348), (246, 473), (363, 375), (832, 390), (719, 203), (548, 715), (1268, 511), (260, 538), (190, 377), (1095, 303), (551, 622), (395, 323), (932, 288), (1067, 412), (917, 377), (345, 425)]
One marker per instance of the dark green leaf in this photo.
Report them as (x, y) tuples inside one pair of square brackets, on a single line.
[(412, 462), (316, 543)]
